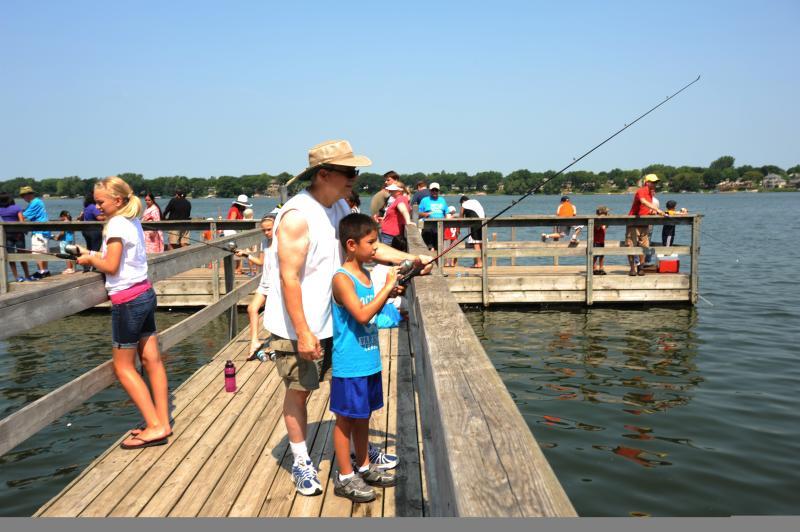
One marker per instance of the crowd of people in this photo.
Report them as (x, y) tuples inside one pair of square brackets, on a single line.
[(320, 300)]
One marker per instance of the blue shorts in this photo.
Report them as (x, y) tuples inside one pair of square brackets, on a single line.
[(134, 320), (356, 397)]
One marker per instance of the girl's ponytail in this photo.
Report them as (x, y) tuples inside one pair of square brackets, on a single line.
[(117, 188)]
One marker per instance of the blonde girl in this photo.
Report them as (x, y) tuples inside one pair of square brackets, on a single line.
[(133, 305)]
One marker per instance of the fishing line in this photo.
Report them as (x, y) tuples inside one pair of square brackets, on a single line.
[(704, 299), (68, 255), (230, 247), (414, 271)]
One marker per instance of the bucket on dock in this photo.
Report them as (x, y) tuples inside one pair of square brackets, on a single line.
[(668, 264)]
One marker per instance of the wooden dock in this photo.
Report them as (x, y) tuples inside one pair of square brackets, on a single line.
[(229, 456)]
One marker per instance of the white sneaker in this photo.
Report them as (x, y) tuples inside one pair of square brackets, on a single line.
[(378, 458), (306, 479)]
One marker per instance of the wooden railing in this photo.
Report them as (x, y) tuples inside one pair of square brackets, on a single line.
[(514, 249), (480, 456), (20, 311)]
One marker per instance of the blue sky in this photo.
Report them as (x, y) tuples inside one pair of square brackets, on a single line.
[(211, 88)]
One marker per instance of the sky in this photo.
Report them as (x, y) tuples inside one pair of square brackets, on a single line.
[(205, 89)]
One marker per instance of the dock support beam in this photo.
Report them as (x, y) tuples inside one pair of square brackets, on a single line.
[(3, 261), (229, 280), (694, 283)]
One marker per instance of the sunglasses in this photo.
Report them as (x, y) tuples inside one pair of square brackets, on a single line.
[(348, 171)]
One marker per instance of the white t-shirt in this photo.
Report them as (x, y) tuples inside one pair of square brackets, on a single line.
[(316, 276), (133, 263)]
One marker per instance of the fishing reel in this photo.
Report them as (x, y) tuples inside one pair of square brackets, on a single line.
[(71, 252), (407, 271), (236, 251)]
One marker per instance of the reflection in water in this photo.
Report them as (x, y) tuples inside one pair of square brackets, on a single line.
[(599, 389)]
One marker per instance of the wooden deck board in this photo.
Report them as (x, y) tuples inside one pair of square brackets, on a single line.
[(229, 452)]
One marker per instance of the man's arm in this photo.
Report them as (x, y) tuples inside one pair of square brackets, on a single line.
[(390, 255), (168, 210), (293, 245), (651, 206)]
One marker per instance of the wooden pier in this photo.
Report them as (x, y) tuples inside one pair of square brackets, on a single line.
[(447, 415)]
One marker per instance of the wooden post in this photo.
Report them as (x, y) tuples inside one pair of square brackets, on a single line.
[(494, 241), (439, 236), (229, 281), (513, 238), (485, 269), (695, 276), (589, 260), (3, 255), (214, 267)]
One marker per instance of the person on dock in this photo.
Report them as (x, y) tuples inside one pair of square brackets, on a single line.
[(15, 240), (383, 197), (304, 255), (397, 215), (236, 212), (153, 240), (178, 208), (92, 237), (260, 297), (434, 207), (638, 234), (356, 386), (566, 209), (133, 309), (451, 234), (599, 241), (472, 208), (65, 238), (668, 230), (36, 212)]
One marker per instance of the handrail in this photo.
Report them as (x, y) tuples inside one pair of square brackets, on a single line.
[(480, 456)]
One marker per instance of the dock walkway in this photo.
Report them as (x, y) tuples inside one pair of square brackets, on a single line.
[(229, 456)]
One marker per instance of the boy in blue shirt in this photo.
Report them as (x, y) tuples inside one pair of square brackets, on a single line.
[(356, 387)]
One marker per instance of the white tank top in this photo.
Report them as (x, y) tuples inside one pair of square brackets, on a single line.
[(322, 261)]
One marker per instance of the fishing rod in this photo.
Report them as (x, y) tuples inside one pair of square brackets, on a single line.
[(71, 251), (230, 247), (411, 271)]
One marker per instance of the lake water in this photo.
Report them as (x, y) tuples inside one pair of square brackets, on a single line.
[(640, 410)]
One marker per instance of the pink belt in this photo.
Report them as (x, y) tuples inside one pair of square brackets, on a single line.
[(130, 293)]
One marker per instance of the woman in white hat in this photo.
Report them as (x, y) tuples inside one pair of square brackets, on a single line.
[(236, 212)]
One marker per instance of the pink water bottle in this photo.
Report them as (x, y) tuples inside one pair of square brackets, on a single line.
[(230, 376)]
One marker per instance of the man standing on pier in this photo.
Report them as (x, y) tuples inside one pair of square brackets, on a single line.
[(178, 208), (638, 235), (304, 255)]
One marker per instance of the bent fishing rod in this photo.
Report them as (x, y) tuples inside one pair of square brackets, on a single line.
[(409, 271), (230, 247)]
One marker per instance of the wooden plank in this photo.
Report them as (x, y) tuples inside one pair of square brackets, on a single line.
[(695, 257), (513, 238), (234, 446), (407, 500), (81, 495), (187, 454), (281, 494), (485, 269)]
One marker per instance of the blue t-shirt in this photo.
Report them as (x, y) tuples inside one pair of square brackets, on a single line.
[(35, 212), (437, 207), (356, 352), (9, 214), (90, 213)]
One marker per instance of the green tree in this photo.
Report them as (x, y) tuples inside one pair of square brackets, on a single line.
[(726, 161)]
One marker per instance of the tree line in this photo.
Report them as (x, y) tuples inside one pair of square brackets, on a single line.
[(674, 179)]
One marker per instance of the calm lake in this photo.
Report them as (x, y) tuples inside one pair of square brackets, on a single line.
[(642, 410)]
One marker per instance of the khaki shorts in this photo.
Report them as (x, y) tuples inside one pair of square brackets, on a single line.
[(178, 236), (298, 373), (39, 243), (637, 235)]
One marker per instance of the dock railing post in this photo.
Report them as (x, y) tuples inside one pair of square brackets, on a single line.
[(440, 239), (494, 241), (589, 260), (214, 267), (229, 281), (695, 276), (485, 264), (3, 261), (513, 239)]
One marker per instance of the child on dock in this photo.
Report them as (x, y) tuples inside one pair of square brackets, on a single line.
[(260, 297), (451, 234), (599, 241), (668, 230), (356, 387), (66, 238), (133, 305)]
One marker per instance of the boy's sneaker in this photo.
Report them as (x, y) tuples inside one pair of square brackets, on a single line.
[(37, 275), (377, 477), (353, 488), (45, 273), (378, 458), (305, 478)]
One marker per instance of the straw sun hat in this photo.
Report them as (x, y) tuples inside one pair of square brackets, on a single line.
[(338, 152)]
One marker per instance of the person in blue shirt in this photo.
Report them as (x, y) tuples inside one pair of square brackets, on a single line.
[(65, 238), (433, 207), (36, 212), (356, 388)]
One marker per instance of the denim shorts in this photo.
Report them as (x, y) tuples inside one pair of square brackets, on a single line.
[(134, 320)]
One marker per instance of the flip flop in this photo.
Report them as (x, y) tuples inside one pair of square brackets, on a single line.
[(632, 273), (145, 443), (136, 432)]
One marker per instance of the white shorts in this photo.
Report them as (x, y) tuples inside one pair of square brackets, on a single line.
[(39, 243)]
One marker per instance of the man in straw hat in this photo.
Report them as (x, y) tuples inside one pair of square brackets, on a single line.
[(638, 235), (304, 255)]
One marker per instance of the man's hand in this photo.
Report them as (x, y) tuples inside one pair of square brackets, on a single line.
[(425, 260), (308, 346)]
